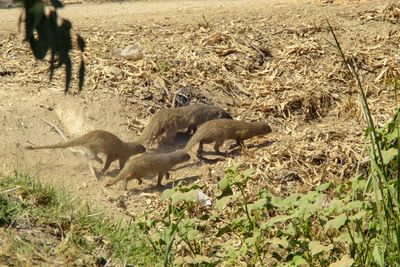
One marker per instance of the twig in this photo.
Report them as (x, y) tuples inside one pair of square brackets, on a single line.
[(10, 190), (56, 128)]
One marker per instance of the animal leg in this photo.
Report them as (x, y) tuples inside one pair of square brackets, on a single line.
[(168, 137), (217, 145), (125, 183), (93, 171), (191, 129), (122, 162), (160, 176), (241, 144), (93, 156), (116, 180), (106, 165), (200, 150)]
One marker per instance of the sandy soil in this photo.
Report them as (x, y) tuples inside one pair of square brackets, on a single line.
[(26, 105)]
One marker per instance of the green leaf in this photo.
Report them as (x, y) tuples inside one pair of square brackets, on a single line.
[(389, 155), (277, 219), (291, 201), (343, 262), (221, 203), (223, 229), (252, 240), (56, 3), (36, 14), (258, 205), (345, 238), (167, 194), (81, 43), (335, 205), (378, 256), (298, 260), (357, 204), (190, 196), (358, 216), (316, 247), (248, 172), (277, 202), (81, 74), (336, 223), (323, 187), (192, 234), (225, 186), (281, 242)]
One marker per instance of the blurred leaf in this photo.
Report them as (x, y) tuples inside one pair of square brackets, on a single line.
[(57, 4), (358, 216), (344, 262), (248, 172), (357, 204), (378, 257), (336, 223), (298, 260), (81, 75), (316, 247), (389, 155), (221, 203), (167, 193), (345, 238), (68, 74), (225, 228), (36, 14), (277, 202), (277, 219), (323, 187), (81, 43), (258, 205), (281, 242), (225, 186), (192, 234), (335, 205), (190, 196)]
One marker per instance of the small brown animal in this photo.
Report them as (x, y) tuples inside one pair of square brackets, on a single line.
[(100, 141), (166, 123), (217, 131), (146, 164)]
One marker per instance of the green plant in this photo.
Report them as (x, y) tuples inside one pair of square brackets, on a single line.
[(67, 229)]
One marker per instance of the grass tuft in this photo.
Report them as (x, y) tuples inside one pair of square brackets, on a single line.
[(41, 224)]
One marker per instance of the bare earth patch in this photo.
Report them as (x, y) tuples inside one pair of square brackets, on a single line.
[(260, 61)]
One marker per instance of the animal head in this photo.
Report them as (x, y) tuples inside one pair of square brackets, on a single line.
[(266, 128), (183, 156), (222, 114), (261, 128), (135, 148)]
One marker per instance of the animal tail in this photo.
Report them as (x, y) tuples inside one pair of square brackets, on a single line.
[(225, 115), (147, 134), (120, 177), (192, 142), (74, 142)]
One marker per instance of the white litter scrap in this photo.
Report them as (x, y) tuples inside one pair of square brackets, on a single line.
[(203, 198)]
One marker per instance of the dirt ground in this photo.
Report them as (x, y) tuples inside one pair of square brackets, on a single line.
[(260, 60)]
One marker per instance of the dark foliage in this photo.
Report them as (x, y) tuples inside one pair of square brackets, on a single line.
[(46, 31)]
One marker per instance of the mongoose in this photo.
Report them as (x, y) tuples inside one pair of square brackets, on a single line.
[(100, 141), (166, 123), (217, 131), (146, 164)]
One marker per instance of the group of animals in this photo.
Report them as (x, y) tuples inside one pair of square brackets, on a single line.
[(205, 123)]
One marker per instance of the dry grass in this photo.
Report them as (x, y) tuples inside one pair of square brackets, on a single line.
[(281, 69)]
